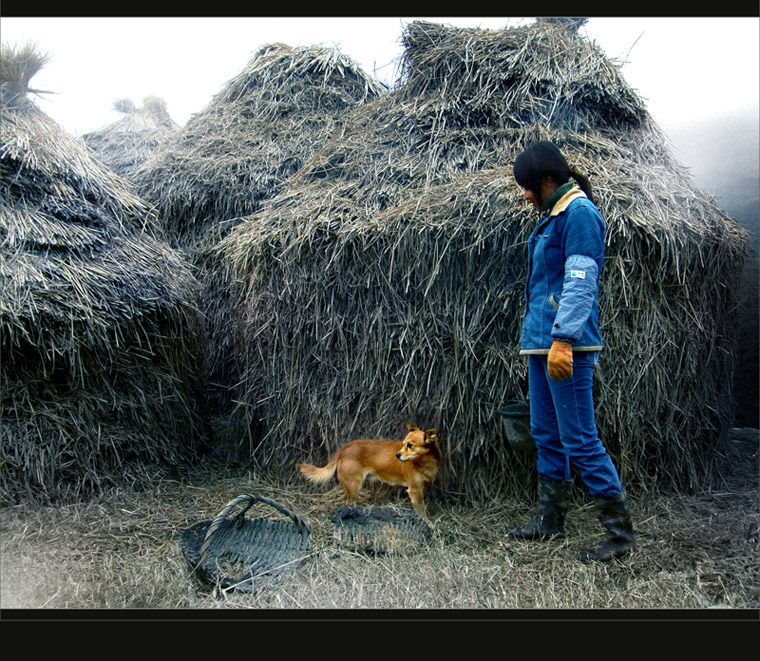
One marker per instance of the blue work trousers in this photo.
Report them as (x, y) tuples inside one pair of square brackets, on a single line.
[(563, 426)]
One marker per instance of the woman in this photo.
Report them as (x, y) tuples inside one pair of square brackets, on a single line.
[(560, 336)]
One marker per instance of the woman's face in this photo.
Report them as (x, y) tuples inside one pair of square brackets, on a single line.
[(530, 198), (548, 186)]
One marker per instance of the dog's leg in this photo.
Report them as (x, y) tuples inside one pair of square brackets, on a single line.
[(351, 478), (416, 496), (351, 492)]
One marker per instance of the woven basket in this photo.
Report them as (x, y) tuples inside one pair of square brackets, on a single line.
[(240, 553), (379, 529)]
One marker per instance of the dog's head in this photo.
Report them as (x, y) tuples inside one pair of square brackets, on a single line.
[(417, 443)]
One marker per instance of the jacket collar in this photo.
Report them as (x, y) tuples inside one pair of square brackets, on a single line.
[(564, 201)]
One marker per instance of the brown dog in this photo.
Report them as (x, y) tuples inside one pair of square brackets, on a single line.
[(412, 462)]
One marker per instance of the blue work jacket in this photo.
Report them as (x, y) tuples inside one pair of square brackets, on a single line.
[(565, 257)]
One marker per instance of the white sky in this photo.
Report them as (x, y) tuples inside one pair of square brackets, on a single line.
[(686, 68)]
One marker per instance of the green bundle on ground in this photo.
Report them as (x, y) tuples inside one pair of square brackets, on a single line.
[(385, 282), (101, 334)]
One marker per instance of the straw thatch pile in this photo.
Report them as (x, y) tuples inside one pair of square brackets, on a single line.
[(99, 324), (254, 134), (385, 282), (133, 139)]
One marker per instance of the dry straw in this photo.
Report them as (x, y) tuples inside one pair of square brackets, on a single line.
[(384, 283), (100, 326), (254, 134), (258, 130), (141, 132)]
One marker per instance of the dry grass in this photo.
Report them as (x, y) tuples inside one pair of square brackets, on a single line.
[(407, 206), (385, 281), (100, 326), (127, 143), (259, 129), (253, 135), (120, 551)]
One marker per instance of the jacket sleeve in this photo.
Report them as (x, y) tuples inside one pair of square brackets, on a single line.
[(578, 296), (583, 242)]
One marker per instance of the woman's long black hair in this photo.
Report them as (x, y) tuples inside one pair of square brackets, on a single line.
[(544, 159)]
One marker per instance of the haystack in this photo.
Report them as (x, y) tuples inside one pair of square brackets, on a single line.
[(133, 139), (386, 282), (238, 152), (100, 327), (254, 134)]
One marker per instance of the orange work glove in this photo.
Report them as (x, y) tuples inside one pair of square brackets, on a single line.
[(560, 361)]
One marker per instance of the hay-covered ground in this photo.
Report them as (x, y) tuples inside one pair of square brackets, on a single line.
[(120, 551)]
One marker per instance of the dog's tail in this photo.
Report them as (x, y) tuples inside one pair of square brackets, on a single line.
[(319, 475)]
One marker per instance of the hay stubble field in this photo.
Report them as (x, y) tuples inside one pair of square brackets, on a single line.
[(119, 552)]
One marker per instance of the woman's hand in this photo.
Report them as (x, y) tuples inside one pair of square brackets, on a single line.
[(560, 361)]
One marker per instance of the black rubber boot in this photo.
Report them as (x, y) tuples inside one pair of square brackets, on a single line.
[(618, 539), (553, 503)]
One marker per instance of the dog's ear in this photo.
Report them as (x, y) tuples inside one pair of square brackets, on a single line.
[(431, 435), (410, 427)]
